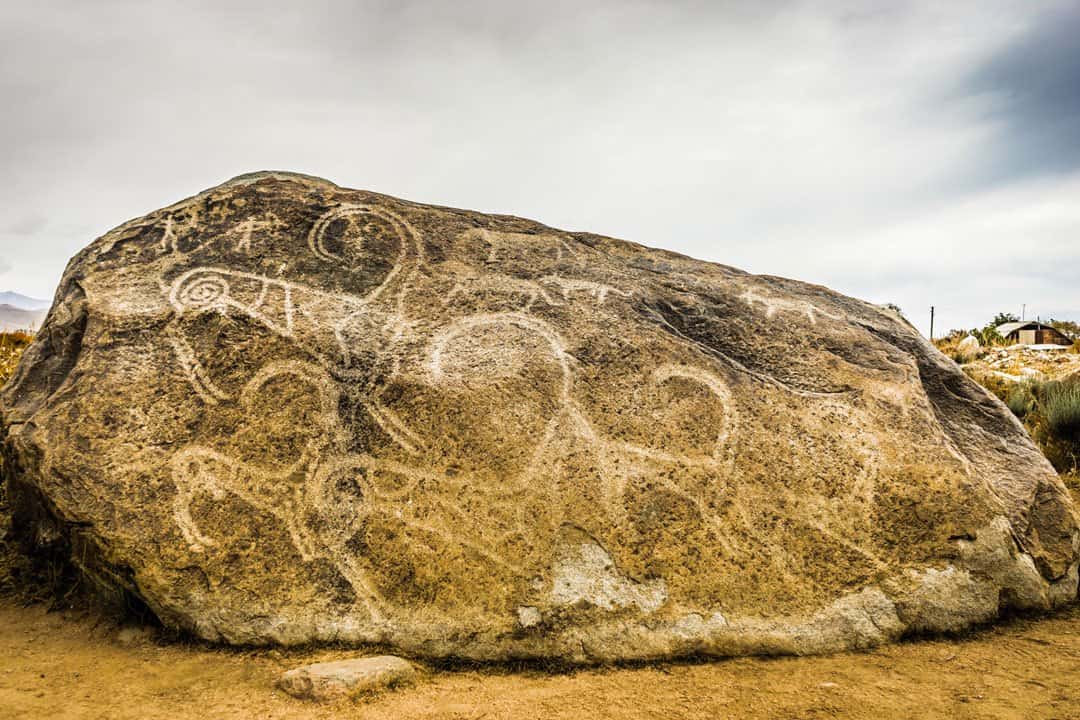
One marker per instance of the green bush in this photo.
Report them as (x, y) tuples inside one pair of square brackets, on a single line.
[(1021, 399), (1061, 408)]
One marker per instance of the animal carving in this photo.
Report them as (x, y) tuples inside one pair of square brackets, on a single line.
[(290, 412)]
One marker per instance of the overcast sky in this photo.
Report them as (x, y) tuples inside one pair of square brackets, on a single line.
[(910, 152)]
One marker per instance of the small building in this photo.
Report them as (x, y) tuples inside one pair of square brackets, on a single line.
[(1032, 332)]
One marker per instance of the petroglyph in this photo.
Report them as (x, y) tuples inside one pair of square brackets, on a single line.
[(552, 290), (469, 350), (495, 354), (357, 236), (168, 236), (510, 249), (202, 470), (172, 230), (198, 469), (315, 319), (775, 304), (290, 310), (500, 285), (243, 232), (200, 380), (569, 287), (475, 435), (718, 388)]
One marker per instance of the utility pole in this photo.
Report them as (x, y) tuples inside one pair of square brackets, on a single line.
[(1023, 312), (931, 323)]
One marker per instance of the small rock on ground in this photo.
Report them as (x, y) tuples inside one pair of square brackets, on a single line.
[(331, 680)]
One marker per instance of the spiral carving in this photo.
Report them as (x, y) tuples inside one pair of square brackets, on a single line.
[(203, 291)]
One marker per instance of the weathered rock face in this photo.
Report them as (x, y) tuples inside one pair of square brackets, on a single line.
[(284, 411)]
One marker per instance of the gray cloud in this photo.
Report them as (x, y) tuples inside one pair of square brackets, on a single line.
[(1030, 91), (791, 137)]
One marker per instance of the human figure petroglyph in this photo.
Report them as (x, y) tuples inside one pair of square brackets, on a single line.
[(168, 236), (237, 238), (172, 229), (243, 232)]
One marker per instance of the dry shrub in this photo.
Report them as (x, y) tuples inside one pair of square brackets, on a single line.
[(14, 567), (1061, 407), (12, 345), (1021, 399)]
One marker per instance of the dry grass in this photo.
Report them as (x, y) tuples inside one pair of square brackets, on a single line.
[(14, 567), (12, 345), (1062, 408)]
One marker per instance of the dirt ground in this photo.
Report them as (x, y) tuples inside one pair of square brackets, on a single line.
[(63, 665)]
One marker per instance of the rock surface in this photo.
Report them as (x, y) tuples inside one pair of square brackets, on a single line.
[(283, 411), (333, 680)]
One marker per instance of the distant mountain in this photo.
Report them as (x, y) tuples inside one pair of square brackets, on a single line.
[(22, 302), (15, 318)]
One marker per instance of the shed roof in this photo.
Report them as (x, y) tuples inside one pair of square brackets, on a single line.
[(1006, 329)]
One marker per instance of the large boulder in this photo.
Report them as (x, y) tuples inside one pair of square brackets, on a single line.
[(282, 411)]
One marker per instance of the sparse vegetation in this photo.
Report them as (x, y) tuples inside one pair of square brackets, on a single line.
[(1020, 399), (987, 335), (1040, 388), (1061, 406), (14, 568), (1070, 328), (11, 349), (1050, 410)]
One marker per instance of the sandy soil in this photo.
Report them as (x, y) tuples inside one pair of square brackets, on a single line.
[(57, 665)]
